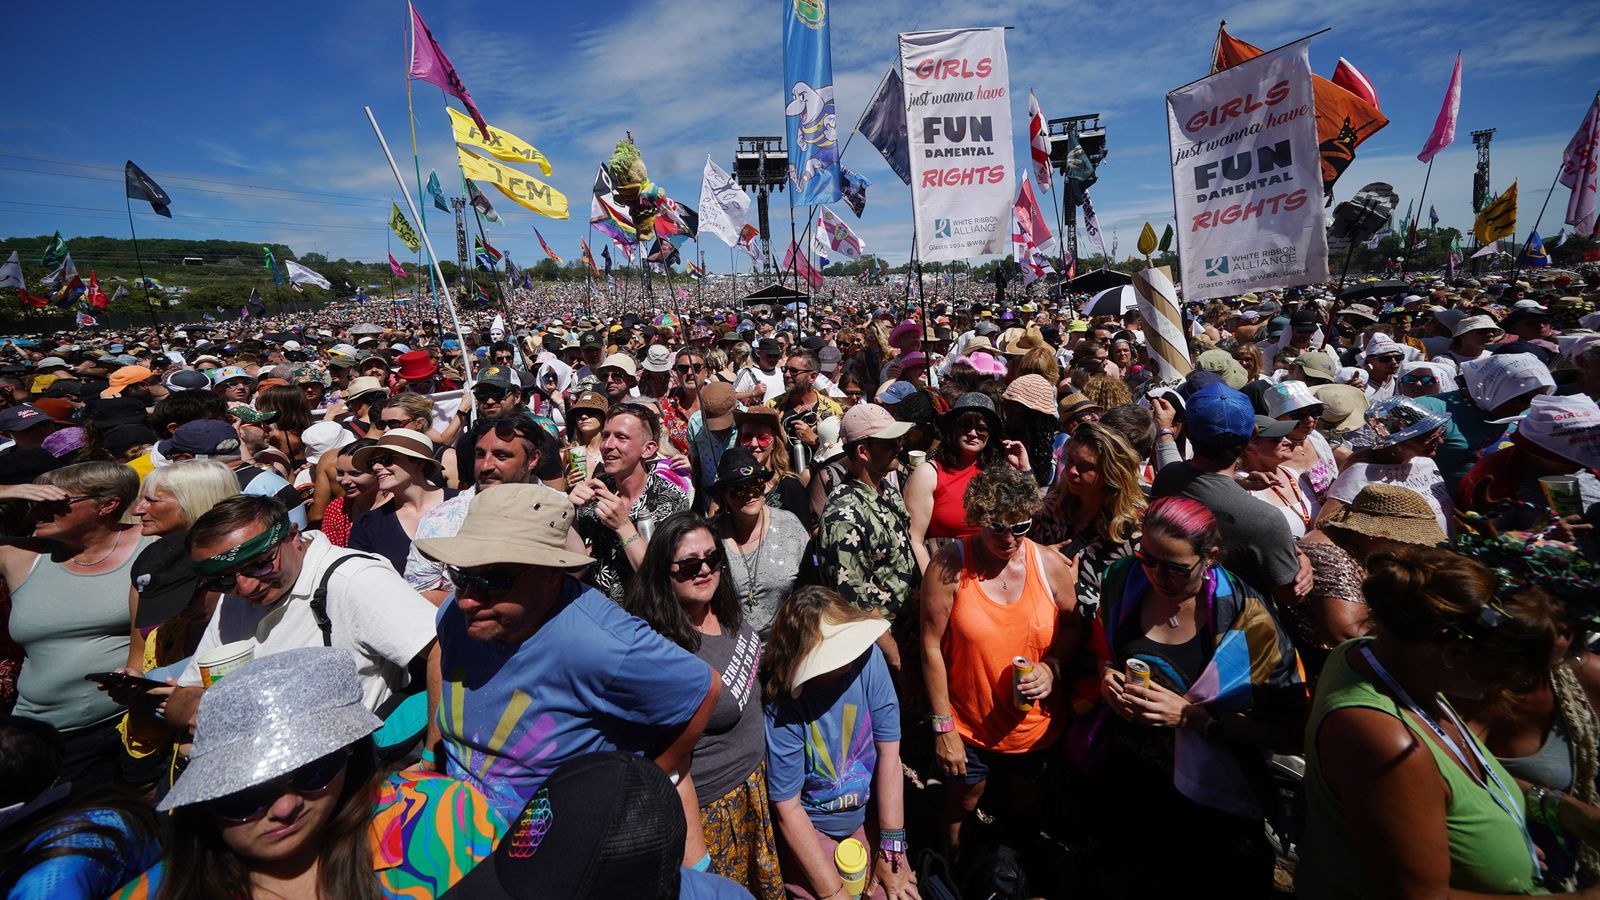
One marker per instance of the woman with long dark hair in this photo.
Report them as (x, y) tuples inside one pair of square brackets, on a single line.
[(283, 797), (970, 440), (358, 492), (683, 589)]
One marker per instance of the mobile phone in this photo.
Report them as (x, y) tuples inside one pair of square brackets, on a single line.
[(123, 680)]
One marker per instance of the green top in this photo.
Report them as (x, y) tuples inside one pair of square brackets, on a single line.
[(1487, 849)]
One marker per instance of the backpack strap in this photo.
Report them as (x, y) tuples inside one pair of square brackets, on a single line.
[(319, 597)]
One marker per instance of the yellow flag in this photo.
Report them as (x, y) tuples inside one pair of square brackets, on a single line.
[(402, 228), (1147, 240), (525, 189), (500, 144), (1498, 218)]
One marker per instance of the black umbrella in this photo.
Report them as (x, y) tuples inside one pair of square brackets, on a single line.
[(1098, 280), (1376, 289)]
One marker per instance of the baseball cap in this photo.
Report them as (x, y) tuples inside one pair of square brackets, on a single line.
[(123, 378), (187, 380), (22, 417), (1218, 414), (1318, 366), (1272, 429), (228, 373), (202, 437), (1305, 321), (163, 579), (869, 421), (500, 377)]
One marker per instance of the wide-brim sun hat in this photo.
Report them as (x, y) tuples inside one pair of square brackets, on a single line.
[(973, 402), (1344, 407), (322, 437), (841, 643), (1389, 511), (737, 466), (510, 524), (270, 717), (401, 441), (1033, 392)]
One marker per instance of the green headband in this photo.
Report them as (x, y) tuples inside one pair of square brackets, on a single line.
[(250, 549)]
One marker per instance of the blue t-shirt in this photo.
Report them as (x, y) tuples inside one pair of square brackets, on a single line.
[(592, 678), (822, 746), (706, 886), (80, 874)]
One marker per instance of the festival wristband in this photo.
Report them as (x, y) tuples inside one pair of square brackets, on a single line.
[(943, 724), (703, 864)]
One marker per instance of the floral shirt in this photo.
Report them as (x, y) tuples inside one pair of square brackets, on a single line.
[(675, 421), (611, 570), (865, 547)]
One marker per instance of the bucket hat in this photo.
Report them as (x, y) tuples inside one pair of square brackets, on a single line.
[(510, 523)]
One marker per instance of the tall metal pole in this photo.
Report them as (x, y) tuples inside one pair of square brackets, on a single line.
[(433, 260), (155, 323), (1516, 264)]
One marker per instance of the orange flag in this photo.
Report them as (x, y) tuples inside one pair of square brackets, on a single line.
[(1344, 120)]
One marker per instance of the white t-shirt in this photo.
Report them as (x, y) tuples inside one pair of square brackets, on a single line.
[(750, 375), (375, 614), (1420, 475)]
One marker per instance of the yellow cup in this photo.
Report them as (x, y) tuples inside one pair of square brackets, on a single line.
[(850, 857)]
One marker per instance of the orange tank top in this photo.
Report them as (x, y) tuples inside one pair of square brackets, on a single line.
[(979, 643)]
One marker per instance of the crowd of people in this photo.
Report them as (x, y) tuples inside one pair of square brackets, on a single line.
[(863, 597)]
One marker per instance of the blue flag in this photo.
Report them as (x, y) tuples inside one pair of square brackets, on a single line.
[(1533, 255), (853, 186), (808, 86), (437, 192), (1433, 216)]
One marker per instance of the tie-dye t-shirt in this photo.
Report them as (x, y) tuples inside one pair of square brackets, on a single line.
[(592, 678), (822, 748)]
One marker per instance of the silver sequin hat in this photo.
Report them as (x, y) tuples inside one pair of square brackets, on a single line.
[(270, 717)]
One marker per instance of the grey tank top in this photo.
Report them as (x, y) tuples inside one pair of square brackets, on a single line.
[(1550, 766), (70, 625)]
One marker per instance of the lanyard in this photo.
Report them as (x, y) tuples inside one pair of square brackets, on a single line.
[(1501, 795)]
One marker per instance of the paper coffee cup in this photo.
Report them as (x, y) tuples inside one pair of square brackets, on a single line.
[(219, 661), (915, 458), (1561, 492)]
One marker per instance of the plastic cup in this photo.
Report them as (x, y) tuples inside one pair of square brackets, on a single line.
[(219, 661), (850, 857), (1561, 492)]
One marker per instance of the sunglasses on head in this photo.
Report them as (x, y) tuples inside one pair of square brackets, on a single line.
[(494, 581), (314, 776), (1017, 529), (691, 566), (1163, 567)]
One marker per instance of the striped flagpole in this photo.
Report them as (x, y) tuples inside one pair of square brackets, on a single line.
[(1163, 324)]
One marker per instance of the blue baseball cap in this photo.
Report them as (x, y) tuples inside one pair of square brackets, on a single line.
[(1218, 414)]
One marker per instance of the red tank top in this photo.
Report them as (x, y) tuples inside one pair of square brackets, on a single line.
[(949, 519)]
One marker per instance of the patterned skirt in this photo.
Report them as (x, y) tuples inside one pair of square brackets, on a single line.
[(740, 840)]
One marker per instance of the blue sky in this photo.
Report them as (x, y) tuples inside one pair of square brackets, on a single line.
[(250, 115)]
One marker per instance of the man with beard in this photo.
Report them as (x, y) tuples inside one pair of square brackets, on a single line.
[(507, 450)]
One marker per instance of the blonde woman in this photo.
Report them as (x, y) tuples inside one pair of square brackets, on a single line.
[(166, 605), (1092, 511)]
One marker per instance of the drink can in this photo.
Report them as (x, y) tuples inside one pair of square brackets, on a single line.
[(1020, 666), (578, 457), (1139, 673)]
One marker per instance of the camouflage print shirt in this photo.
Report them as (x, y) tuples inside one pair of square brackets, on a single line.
[(865, 547)]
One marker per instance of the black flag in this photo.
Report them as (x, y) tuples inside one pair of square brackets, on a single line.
[(143, 187), (884, 125), (605, 253)]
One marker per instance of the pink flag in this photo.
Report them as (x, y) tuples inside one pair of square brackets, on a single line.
[(796, 260), (1578, 165), (1038, 143), (429, 63), (1350, 78), (1444, 128), (1031, 220), (395, 267)]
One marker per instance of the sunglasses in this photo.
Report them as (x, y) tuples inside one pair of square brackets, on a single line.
[(976, 425), (854, 394), (1163, 567), (495, 581), (616, 376), (793, 371), (762, 439), (314, 776), (1426, 380), (257, 568), (489, 392), (691, 566), (1018, 529), (394, 423), (381, 459), (686, 368)]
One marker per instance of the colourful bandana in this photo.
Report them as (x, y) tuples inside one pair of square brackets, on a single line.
[(250, 549)]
